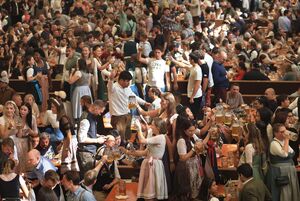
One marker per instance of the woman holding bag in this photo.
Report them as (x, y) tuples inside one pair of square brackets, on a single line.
[(282, 179)]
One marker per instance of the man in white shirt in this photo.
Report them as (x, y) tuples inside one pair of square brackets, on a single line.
[(194, 90), (87, 137), (209, 60), (157, 70), (119, 93)]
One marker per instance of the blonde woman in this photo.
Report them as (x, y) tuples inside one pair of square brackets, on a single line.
[(11, 183), (8, 122), (167, 112), (152, 179), (29, 98)]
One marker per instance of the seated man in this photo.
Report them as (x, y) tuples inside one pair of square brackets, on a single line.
[(108, 174), (234, 97), (44, 147), (71, 182), (90, 177)]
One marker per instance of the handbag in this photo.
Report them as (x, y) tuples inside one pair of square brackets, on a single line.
[(282, 180)]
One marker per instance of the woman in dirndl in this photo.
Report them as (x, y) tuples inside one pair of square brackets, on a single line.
[(80, 80), (282, 179), (33, 87), (152, 180), (189, 171)]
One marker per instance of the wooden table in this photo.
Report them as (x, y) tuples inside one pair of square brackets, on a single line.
[(131, 191)]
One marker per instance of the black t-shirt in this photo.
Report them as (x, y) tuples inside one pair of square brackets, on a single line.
[(205, 71), (272, 105), (159, 41)]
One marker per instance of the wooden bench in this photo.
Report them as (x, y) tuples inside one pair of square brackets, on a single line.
[(256, 87)]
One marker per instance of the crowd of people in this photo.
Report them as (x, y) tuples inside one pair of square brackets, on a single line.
[(120, 61)]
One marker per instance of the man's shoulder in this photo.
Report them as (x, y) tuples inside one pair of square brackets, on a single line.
[(254, 184), (85, 195)]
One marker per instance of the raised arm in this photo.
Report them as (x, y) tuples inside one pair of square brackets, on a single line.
[(140, 58)]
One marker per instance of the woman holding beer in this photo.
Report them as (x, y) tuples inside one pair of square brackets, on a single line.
[(282, 179), (152, 179), (189, 169)]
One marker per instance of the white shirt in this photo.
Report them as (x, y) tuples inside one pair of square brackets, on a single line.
[(248, 154), (118, 96), (276, 148), (50, 119), (293, 107), (83, 130), (155, 104), (29, 72), (195, 75), (181, 145), (209, 60), (156, 72)]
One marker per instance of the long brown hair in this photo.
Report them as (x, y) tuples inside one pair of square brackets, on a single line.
[(8, 166), (254, 137)]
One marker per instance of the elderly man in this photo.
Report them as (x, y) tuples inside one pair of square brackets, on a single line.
[(40, 166), (271, 96), (108, 174)]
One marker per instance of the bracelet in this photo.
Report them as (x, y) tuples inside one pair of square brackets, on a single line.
[(193, 149)]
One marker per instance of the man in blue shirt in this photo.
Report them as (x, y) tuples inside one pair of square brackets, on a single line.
[(219, 73), (40, 166), (71, 182)]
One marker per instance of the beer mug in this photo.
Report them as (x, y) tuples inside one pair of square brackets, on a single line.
[(228, 118), (219, 117), (235, 130), (122, 187), (293, 136), (132, 102), (214, 135)]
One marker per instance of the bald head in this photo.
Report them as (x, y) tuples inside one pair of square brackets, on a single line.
[(270, 94), (110, 141), (33, 157)]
